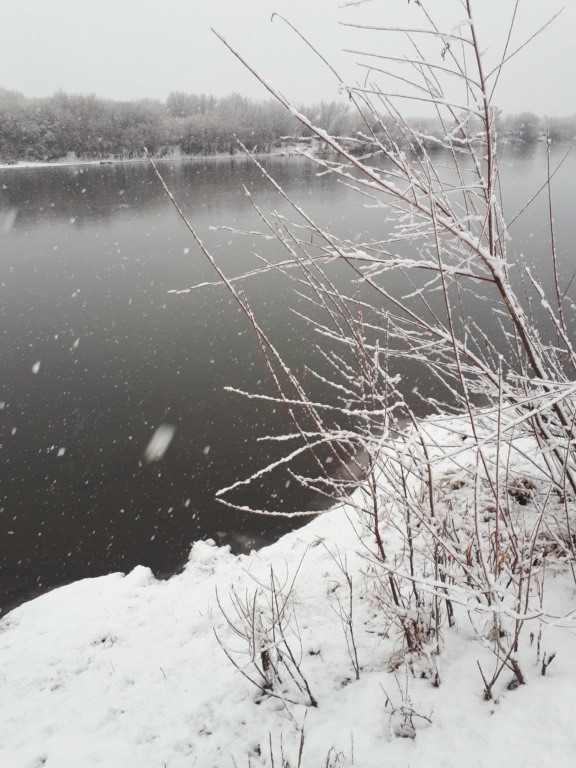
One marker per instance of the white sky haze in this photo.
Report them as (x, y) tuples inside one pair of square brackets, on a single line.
[(130, 49)]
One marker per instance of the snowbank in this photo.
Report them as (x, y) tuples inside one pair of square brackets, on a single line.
[(127, 672)]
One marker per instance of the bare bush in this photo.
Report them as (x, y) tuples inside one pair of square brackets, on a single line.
[(265, 621), (345, 611), (440, 295), (404, 719)]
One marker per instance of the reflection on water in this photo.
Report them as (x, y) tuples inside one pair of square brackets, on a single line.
[(99, 359)]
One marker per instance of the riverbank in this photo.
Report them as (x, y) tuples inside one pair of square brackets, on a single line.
[(286, 151), (64, 163), (129, 671)]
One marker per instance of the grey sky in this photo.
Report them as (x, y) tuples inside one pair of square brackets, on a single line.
[(129, 49)]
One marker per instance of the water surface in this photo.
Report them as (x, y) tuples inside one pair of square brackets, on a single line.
[(97, 354)]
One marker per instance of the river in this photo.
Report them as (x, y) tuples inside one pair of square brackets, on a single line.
[(97, 354)]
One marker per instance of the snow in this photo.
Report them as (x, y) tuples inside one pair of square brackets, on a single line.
[(126, 671), (159, 443)]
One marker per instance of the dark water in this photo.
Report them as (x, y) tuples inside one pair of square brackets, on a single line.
[(97, 354)]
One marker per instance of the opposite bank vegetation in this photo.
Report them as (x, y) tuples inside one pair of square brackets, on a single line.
[(92, 128)]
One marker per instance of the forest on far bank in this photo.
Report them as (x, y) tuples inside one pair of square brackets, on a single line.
[(92, 128)]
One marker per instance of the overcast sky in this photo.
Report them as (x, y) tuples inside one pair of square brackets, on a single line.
[(130, 49)]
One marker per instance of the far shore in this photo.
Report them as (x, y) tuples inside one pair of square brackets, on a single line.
[(288, 151)]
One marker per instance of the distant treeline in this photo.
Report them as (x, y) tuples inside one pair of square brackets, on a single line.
[(92, 128)]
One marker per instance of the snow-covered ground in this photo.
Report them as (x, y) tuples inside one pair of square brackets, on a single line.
[(126, 671), (286, 150), (68, 162)]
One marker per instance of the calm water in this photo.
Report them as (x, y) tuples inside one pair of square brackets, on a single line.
[(96, 354)]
